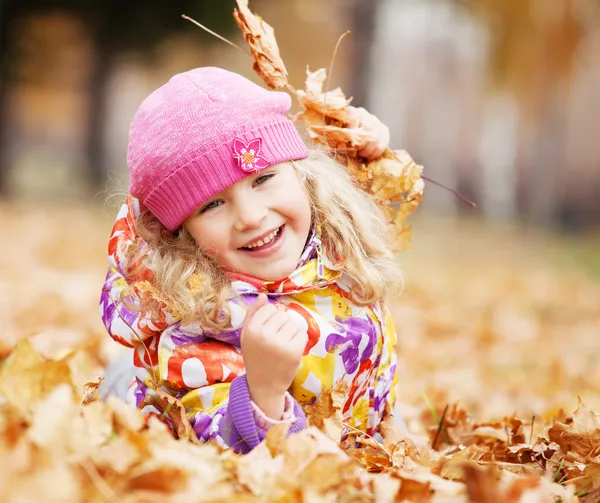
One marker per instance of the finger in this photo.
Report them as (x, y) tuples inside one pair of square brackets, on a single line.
[(368, 149), (374, 150), (300, 335), (261, 300), (289, 329), (375, 154), (277, 322), (263, 315), (298, 319), (299, 341), (369, 121)]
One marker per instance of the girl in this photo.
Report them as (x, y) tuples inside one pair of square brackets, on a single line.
[(247, 273)]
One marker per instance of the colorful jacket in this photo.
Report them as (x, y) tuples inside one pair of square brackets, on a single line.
[(205, 371)]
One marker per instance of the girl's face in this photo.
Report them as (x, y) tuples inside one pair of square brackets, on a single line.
[(258, 226)]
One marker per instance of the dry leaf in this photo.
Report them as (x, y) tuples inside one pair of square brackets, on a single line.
[(326, 412), (259, 469), (91, 393), (174, 410), (27, 378), (581, 439), (276, 437), (385, 488), (261, 40)]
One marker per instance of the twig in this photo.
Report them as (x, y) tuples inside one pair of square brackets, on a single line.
[(435, 416), (531, 432), (463, 199), (335, 50), (440, 427), (398, 202), (223, 39)]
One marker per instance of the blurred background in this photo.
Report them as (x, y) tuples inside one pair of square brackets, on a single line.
[(498, 99)]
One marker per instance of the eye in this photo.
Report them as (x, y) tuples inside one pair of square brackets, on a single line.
[(211, 205), (262, 179)]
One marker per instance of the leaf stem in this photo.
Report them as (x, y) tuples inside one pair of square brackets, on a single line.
[(223, 39), (463, 199)]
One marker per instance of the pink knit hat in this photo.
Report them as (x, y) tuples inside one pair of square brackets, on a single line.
[(200, 133)]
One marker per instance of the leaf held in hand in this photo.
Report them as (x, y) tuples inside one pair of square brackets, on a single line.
[(261, 40)]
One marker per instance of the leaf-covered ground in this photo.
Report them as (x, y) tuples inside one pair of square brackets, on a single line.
[(499, 331)]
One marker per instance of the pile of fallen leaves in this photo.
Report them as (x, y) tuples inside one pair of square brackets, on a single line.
[(59, 443), (63, 442)]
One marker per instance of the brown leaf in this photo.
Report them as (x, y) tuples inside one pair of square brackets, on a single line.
[(414, 490), (91, 393), (321, 108), (12, 425), (489, 486), (344, 140), (261, 40), (482, 485), (326, 412), (174, 410), (591, 497), (581, 439)]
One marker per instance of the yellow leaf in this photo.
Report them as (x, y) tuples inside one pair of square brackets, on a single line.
[(27, 378)]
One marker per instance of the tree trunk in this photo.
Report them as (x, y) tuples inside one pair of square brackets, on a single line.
[(545, 191), (97, 113), (364, 17), (6, 70)]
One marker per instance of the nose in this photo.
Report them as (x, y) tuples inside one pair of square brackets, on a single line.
[(250, 213)]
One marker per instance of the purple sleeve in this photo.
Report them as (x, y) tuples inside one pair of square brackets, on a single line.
[(238, 427)]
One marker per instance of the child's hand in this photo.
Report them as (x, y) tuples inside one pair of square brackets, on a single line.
[(272, 344), (374, 149)]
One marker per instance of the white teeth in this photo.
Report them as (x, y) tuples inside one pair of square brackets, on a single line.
[(263, 241)]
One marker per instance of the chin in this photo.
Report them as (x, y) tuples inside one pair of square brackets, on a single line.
[(277, 274)]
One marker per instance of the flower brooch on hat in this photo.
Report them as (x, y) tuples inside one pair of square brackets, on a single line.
[(249, 155)]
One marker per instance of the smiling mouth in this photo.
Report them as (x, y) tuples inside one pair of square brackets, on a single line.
[(264, 243)]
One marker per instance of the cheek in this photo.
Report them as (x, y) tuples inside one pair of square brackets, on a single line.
[(306, 214), (296, 207), (304, 210), (209, 238), (302, 203)]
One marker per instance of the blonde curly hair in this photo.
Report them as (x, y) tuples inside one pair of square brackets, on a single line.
[(354, 233)]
